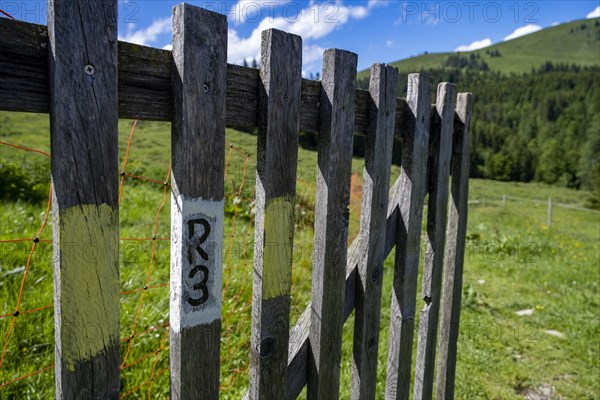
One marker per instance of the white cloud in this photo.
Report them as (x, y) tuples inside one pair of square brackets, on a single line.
[(476, 45), (389, 43), (311, 53), (522, 31), (261, 3), (595, 13), (555, 23), (148, 35), (312, 23)]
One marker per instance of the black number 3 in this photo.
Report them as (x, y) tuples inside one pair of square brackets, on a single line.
[(200, 285)]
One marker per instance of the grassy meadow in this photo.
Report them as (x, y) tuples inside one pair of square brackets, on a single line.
[(514, 262), (568, 43)]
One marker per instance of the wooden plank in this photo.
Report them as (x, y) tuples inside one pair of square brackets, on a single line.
[(24, 69), (408, 237), (84, 146), (298, 348), (277, 154), (331, 222), (145, 84), (298, 357), (438, 170), (455, 250), (378, 157), (198, 160), (298, 345)]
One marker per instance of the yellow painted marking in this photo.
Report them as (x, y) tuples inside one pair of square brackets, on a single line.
[(89, 280), (277, 248)]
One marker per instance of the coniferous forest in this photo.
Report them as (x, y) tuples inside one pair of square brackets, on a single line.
[(541, 125)]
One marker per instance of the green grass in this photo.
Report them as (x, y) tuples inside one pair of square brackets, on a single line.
[(566, 43), (514, 262)]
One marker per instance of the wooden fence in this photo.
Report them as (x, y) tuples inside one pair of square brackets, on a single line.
[(77, 71)]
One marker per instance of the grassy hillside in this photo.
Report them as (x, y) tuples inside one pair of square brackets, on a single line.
[(576, 42), (540, 124), (514, 262)]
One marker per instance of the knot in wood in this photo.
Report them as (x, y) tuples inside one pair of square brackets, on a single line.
[(377, 273), (372, 344), (267, 346)]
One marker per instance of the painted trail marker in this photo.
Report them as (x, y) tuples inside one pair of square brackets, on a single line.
[(198, 160)]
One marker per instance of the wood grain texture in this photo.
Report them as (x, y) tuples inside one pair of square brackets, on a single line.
[(198, 161), (298, 357), (408, 237), (145, 84), (190, 378), (331, 222), (298, 347), (24, 67), (438, 170), (278, 125), (455, 250), (82, 61), (378, 156), (199, 86), (298, 344)]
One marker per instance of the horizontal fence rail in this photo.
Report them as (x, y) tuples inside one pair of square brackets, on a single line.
[(144, 76), (78, 60)]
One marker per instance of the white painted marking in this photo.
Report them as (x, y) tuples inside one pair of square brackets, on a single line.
[(521, 313), (187, 291), (552, 332)]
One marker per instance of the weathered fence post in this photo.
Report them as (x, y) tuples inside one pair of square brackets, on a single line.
[(455, 251), (440, 152), (378, 157), (331, 223), (408, 237), (84, 143), (198, 160), (278, 126)]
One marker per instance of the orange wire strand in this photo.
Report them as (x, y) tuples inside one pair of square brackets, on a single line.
[(125, 160), (238, 295), (141, 302), (24, 240), (28, 311), (161, 372), (143, 178), (17, 146), (15, 315), (39, 371), (156, 356), (235, 211), (6, 14), (227, 161)]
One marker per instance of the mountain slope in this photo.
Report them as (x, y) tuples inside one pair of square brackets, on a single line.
[(576, 42), (541, 124)]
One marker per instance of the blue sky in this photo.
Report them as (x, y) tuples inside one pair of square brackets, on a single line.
[(377, 30)]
